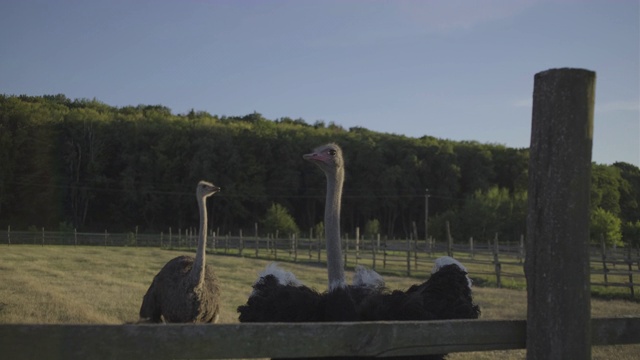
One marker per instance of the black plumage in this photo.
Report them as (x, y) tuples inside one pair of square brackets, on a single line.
[(279, 297)]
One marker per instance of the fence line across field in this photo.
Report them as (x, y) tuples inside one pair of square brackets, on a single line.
[(405, 256)]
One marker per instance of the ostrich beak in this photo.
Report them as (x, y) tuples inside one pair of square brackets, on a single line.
[(313, 157)]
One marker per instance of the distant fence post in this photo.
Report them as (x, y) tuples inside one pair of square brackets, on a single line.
[(629, 261), (240, 243), (319, 246), (449, 241), (373, 252), (521, 249), (357, 243), (496, 260), (605, 270), (557, 263)]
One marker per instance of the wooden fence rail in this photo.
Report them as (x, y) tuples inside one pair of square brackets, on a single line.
[(227, 341), (618, 266)]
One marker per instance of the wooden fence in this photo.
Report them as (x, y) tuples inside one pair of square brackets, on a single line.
[(244, 341), (610, 267), (558, 324)]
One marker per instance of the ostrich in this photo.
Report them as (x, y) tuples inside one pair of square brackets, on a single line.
[(185, 290), (279, 297)]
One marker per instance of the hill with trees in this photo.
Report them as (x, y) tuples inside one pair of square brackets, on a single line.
[(84, 164)]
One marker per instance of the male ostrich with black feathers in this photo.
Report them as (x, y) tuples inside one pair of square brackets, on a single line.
[(279, 297), (186, 290)]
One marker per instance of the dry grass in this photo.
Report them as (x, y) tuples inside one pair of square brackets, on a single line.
[(95, 285)]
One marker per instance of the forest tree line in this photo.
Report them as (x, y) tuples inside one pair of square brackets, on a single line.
[(84, 164)]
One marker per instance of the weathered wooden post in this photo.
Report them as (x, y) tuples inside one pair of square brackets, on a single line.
[(409, 255), (240, 243), (605, 270), (294, 242), (257, 240), (357, 244), (496, 261), (449, 241), (557, 263), (373, 252)]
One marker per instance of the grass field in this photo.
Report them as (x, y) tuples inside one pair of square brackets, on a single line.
[(97, 285)]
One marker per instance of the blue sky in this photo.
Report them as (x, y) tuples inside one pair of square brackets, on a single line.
[(454, 69)]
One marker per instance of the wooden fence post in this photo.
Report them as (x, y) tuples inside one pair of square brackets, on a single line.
[(496, 260), (557, 263), (605, 270), (449, 241), (630, 265), (319, 246), (409, 256), (357, 243), (384, 253), (274, 244), (373, 252), (257, 242), (294, 242), (521, 249), (346, 248), (257, 245)]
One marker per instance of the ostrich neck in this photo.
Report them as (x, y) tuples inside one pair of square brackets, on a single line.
[(335, 266), (197, 271)]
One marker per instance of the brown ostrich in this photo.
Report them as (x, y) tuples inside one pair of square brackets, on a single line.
[(185, 290)]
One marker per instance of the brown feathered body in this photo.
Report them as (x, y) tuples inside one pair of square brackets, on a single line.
[(173, 297)]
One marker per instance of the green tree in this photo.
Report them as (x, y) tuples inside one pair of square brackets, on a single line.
[(278, 219), (606, 224), (629, 191), (372, 227), (605, 185), (631, 233)]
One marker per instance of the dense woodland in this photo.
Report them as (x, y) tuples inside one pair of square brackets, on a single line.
[(83, 164)]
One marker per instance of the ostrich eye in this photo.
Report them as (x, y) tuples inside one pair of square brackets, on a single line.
[(332, 152)]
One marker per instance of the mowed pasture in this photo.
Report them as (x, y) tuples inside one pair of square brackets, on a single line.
[(105, 285)]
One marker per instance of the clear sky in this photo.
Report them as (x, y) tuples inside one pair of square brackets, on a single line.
[(453, 69)]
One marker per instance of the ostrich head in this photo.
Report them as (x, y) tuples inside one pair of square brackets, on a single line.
[(206, 189), (327, 157), (447, 260)]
